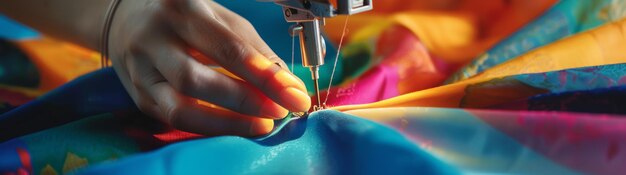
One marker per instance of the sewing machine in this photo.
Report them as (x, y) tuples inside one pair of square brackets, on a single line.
[(309, 16)]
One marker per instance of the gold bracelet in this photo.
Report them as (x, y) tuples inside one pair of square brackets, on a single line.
[(104, 42)]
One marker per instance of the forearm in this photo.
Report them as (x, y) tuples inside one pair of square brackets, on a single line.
[(77, 21)]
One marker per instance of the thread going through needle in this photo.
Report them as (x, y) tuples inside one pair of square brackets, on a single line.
[(332, 75)]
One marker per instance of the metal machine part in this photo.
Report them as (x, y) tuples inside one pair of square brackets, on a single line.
[(313, 48), (299, 114), (309, 17)]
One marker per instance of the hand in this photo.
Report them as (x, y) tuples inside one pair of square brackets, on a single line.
[(166, 53)]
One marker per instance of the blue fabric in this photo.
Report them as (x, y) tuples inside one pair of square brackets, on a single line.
[(576, 79), (326, 142), (8, 154), (95, 93), (11, 30), (602, 100), (15, 67)]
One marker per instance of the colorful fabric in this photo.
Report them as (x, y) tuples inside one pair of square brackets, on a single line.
[(564, 19), (602, 46), (547, 98), (516, 142), (443, 133)]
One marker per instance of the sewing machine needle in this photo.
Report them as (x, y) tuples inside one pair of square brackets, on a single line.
[(317, 93), (315, 75)]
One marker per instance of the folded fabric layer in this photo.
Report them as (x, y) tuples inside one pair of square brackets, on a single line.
[(472, 141), (533, 91), (566, 18), (517, 142), (66, 148), (600, 46), (601, 100), (326, 142), (521, 87), (96, 93)]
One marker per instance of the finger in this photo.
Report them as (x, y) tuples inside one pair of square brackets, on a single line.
[(240, 58), (192, 78), (236, 23), (143, 102), (242, 27), (187, 114)]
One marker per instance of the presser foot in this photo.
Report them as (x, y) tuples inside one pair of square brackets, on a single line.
[(299, 114), (320, 107), (305, 114)]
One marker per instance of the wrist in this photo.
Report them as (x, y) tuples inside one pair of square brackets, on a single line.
[(104, 33), (129, 17)]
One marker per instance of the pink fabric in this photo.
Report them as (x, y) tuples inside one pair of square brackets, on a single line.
[(406, 67)]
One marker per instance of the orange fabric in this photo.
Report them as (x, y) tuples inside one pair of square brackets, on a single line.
[(58, 62), (484, 23)]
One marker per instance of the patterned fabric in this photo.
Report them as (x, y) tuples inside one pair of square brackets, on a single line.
[(564, 19)]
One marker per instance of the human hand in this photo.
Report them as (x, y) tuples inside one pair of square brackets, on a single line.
[(165, 53)]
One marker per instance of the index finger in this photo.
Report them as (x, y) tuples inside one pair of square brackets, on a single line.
[(205, 32)]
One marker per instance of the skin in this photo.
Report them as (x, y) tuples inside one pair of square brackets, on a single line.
[(166, 53)]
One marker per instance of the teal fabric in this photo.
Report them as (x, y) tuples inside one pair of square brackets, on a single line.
[(326, 142), (585, 78), (15, 67)]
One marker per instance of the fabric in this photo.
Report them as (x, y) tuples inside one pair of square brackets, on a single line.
[(602, 46), (422, 87), (516, 142), (15, 31), (326, 142), (564, 19)]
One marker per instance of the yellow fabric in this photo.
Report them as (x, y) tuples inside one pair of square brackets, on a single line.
[(442, 33), (600, 46), (455, 31)]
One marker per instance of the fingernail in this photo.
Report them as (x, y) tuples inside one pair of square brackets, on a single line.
[(272, 110), (261, 127), (296, 100), (283, 66)]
